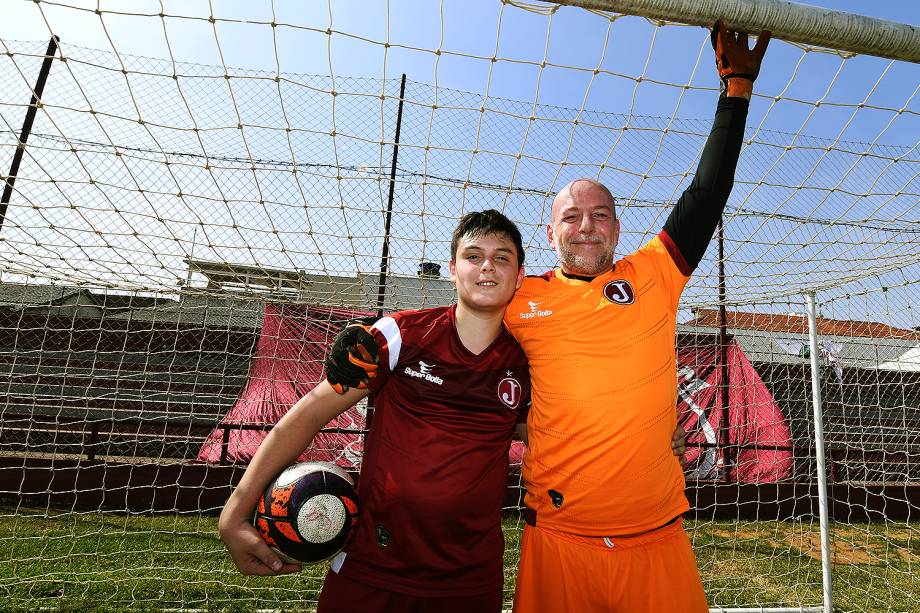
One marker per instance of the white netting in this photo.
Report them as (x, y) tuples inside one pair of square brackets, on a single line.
[(162, 203)]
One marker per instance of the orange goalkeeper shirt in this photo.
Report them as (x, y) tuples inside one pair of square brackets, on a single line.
[(604, 394)]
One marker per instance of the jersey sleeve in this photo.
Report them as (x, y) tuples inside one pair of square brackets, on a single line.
[(693, 220), (659, 255), (388, 336)]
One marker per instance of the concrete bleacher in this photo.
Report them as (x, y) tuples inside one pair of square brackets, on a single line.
[(119, 388), (84, 380), (871, 421)]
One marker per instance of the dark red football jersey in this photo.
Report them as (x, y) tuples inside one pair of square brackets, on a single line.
[(435, 466)]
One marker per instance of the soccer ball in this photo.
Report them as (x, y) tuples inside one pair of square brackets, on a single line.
[(307, 512)]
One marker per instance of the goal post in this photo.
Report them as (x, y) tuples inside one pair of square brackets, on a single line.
[(793, 22)]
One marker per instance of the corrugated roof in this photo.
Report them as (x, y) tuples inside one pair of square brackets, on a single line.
[(849, 351), (191, 309), (204, 311), (798, 324), (26, 294)]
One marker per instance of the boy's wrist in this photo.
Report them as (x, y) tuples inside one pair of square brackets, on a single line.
[(231, 516)]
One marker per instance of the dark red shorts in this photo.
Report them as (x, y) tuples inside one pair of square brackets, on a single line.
[(344, 595)]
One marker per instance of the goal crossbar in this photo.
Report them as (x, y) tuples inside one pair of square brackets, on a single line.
[(789, 21)]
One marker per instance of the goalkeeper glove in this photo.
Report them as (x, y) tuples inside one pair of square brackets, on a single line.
[(738, 66), (352, 360)]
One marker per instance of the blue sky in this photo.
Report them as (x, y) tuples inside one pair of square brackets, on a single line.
[(471, 27), (476, 27), (777, 235)]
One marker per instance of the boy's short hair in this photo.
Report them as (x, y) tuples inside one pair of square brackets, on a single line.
[(484, 223)]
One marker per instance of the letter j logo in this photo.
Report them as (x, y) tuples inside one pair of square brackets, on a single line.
[(619, 292)]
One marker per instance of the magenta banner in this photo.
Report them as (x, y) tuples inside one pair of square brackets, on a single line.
[(755, 420), (288, 363)]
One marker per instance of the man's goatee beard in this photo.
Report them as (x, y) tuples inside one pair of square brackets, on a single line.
[(582, 265)]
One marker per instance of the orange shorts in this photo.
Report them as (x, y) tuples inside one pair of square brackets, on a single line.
[(647, 573)]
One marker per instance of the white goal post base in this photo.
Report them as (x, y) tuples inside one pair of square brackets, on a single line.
[(766, 610)]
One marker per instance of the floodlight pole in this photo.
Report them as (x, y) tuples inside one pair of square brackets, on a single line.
[(27, 127), (819, 453)]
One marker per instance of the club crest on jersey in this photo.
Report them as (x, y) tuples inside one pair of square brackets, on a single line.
[(424, 373), (619, 292), (509, 392), (535, 311)]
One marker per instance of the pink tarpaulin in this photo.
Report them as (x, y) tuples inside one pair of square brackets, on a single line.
[(288, 363), (755, 419)]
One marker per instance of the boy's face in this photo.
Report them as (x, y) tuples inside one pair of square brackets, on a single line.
[(486, 272)]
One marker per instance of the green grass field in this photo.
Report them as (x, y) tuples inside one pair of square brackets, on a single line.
[(108, 562)]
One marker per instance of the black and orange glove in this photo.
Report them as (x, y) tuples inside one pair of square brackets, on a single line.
[(352, 360), (738, 66)]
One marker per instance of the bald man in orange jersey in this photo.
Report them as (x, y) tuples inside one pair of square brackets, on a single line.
[(604, 493)]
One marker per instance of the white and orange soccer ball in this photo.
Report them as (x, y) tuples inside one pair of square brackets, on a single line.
[(307, 513)]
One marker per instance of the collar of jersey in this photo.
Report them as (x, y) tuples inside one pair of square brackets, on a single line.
[(458, 342), (564, 276)]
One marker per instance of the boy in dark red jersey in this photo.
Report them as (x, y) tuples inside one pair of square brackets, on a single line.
[(450, 389)]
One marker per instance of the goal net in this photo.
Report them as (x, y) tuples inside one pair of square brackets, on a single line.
[(206, 193)]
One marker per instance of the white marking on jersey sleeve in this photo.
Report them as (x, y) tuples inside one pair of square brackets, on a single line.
[(388, 327)]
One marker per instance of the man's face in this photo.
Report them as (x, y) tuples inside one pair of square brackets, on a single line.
[(584, 230), (486, 272)]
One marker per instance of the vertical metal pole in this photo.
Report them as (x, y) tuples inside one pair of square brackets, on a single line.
[(27, 127), (385, 254), (188, 277), (724, 430), (819, 452), (225, 443)]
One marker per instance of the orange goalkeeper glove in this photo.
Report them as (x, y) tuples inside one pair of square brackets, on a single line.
[(738, 66), (352, 360)]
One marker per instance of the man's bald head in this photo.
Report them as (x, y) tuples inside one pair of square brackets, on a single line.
[(583, 190), (584, 229)]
